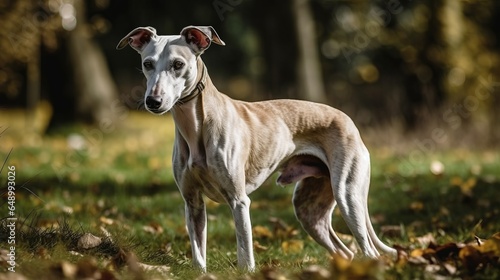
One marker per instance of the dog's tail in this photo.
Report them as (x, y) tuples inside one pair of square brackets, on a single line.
[(377, 242), (371, 232)]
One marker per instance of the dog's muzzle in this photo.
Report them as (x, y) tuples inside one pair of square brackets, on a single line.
[(153, 103)]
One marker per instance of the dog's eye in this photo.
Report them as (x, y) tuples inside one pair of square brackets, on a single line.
[(148, 65), (178, 64)]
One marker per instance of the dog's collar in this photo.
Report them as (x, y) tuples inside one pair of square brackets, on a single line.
[(200, 86)]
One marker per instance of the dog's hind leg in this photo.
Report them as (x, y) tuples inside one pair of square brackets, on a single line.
[(351, 193), (314, 202)]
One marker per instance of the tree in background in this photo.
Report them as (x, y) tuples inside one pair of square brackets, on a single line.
[(424, 60), (48, 52), (310, 76)]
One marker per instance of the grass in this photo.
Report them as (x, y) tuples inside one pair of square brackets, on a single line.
[(119, 184)]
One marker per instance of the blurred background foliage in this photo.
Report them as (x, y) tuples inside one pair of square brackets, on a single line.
[(393, 63)]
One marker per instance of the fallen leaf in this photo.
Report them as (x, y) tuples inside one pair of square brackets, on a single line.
[(491, 245), (167, 248), (258, 247), (401, 257), (88, 269), (446, 251), (425, 240), (74, 253), (471, 258), (67, 209), (106, 233), (207, 276), (443, 211), (106, 221), (162, 269), (48, 224), (417, 206), (391, 230), (279, 224), (130, 260), (122, 258), (271, 273), (292, 246), (64, 269), (451, 269), (262, 232), (153, 228), (418, 260), (467, 186), (416, 253), (339, 264), (315, 272), (432, 268), (356, 269)]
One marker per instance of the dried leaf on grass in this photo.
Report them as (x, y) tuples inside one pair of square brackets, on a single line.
[(478, 257), (207, 276), (258, 247), (292, 246), (391, 230), (452, 258), (272, 273), (282, 229), (262, 232), (357, 269), (84, 269), (130, 260), (466, 186), (153, 228), (106, 221), (425, 240), (65, 269), (315, 272)]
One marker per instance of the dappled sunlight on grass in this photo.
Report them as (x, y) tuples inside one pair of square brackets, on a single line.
[(137, 151)]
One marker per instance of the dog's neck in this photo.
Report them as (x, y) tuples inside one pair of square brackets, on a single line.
[(200, 84), (188, 113)]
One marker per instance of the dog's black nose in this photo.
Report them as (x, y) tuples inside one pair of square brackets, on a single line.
[(153, 103)]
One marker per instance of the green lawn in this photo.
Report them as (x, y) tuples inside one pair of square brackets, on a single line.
[(118, 185)]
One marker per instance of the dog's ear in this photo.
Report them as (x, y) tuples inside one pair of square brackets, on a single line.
[(138, 38), (200, 37)]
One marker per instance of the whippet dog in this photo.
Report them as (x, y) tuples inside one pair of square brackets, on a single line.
[(225, 148)]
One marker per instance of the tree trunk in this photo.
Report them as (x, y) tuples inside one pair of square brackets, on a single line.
[(94, 88), (310, 79)]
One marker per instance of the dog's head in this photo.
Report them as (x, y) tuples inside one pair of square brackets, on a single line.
[(169, 62)]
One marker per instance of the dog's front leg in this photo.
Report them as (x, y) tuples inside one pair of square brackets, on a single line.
[(196, 221), (240, 208)]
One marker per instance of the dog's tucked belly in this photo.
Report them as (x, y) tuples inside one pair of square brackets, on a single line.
[(207, 182), (294, 169), (300, 167), (211, 192)]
